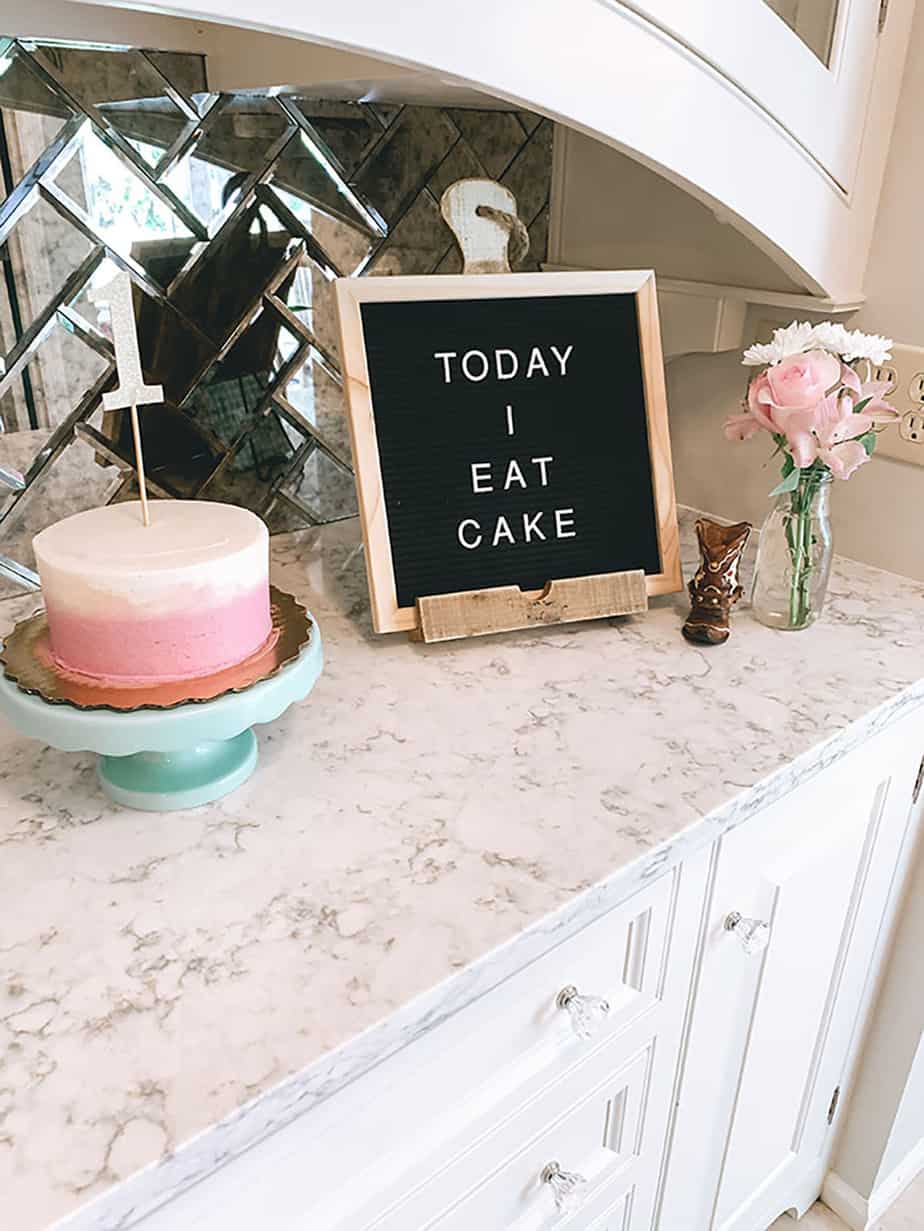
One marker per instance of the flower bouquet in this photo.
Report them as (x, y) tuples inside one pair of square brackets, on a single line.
[(823, 417)]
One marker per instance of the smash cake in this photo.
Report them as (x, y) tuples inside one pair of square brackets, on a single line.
[(182, 598)]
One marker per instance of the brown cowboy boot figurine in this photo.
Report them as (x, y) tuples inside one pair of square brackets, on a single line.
[(715, 589)]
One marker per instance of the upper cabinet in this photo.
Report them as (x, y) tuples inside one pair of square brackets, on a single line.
[(773, 115), (807, 63)]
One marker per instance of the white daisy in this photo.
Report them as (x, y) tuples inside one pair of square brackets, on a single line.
[(871, 346), (793, 340), (832, 336), (760, 353)]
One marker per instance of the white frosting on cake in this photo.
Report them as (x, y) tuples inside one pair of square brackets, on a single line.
[(106, 561)]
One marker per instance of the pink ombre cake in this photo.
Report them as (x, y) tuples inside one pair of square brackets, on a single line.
[(184, 597)]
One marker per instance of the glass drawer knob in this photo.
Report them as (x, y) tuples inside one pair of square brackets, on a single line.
[(587, 1013), (754, 934), (568, 1188)]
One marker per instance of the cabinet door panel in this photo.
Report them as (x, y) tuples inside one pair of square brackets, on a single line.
[(809, 63), (773, 1033), (800, 873)]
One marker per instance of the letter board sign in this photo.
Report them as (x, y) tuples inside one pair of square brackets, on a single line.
[(507, 430)]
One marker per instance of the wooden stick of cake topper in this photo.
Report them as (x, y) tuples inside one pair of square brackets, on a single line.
[(131, 391)]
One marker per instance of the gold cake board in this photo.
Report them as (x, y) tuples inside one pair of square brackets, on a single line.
[(27, 661)]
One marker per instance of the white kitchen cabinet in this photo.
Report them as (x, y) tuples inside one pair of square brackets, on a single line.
[(808, 63), (774, 1029), (721, 100), (701, 1096)]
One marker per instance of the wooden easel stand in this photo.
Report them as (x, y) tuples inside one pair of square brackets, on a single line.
[(474, 613)]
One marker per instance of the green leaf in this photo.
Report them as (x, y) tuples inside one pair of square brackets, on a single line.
[(868, 441), (862, 405), (788, 466), (789, 483)]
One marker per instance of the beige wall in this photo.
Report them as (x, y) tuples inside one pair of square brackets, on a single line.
[(613, 213), (894, 281)]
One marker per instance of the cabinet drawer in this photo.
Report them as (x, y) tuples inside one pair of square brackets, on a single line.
[(488, 1060), (591, 1121)]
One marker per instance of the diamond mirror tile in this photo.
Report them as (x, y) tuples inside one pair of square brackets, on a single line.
[(232, 213), (34, 113), (45, 243), (124, 88)]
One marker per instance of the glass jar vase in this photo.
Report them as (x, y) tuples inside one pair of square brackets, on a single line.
[(794, 556)]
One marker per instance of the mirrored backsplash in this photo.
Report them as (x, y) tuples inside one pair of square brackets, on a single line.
[(232, 213)]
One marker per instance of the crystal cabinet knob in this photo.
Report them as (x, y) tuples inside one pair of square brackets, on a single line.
[(568, 1188), (587, 1013), (754, 934)]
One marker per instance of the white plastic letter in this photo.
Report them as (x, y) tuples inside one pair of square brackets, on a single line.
[(502, 531), (562, 357), (514, 475), (501, 374), (478, 480), (531, 527), (482, 358), (446, 356), (536, 361), (542, 462), (564, 520), (469, 521)]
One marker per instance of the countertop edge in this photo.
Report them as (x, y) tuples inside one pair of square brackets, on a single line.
[(201, 1156)]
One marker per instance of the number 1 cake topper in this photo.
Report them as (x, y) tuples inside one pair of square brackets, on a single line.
[(131, 391)]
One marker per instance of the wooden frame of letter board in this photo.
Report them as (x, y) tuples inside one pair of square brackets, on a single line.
[(387, 616)]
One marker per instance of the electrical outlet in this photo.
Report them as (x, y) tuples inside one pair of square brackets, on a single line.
[(911, 427), (886, 372), (904, 441)]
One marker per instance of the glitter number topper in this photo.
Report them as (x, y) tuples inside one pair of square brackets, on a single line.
[(131, 391)]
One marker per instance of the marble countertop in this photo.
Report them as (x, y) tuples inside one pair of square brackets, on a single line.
[(427, 821)]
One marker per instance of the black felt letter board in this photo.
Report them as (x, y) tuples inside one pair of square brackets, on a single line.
[(462, 388)]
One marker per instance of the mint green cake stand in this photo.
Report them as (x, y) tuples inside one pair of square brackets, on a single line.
[(163, 760)]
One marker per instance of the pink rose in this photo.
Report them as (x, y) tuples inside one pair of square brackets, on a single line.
[(784, 420), (792, 400), (758, 402), (798, 426), (800, 382)]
